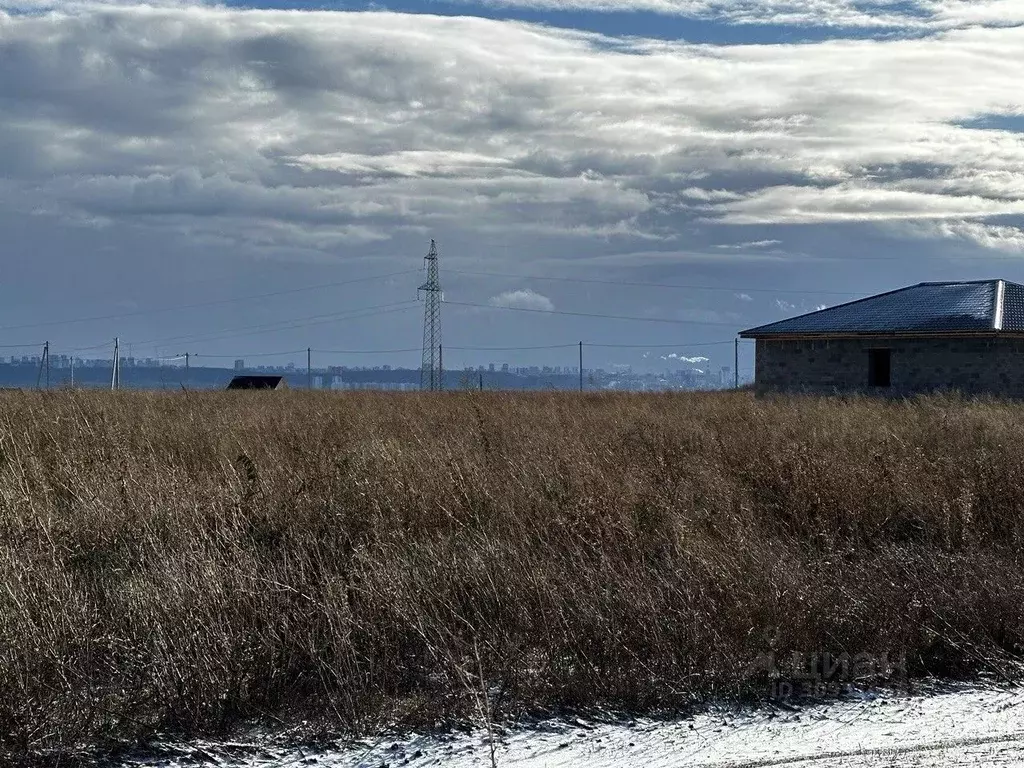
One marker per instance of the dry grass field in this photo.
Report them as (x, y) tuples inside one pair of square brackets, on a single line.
[(193, 562)]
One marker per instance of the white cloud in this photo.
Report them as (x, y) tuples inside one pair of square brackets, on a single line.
[(749, 245), (958, 13), (325, 130), (524, 298), (754, 245), (684, 359), (1000, 238), (784, 306), (744, 296), (913, 15), (710, 195), (860, 202)]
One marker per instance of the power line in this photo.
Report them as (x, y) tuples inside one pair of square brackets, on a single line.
[(101, 345), (334, 318), (410, 350), (663, 346), (351, 314), (198, 305), (510, 349), (571, 345), (591, 314), (654, 285), (365, 351), (363, 312), (253, 354), (279, 325), (284, 325)]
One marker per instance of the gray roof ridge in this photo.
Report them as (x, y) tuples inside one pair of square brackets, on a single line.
[(961, 282), (826, 309), (1004, 309), (998, 301), (957, 282)]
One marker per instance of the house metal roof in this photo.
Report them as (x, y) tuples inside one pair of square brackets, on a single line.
[(981, 306)]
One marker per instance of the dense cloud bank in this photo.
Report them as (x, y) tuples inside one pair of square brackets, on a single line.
[(310, 130)]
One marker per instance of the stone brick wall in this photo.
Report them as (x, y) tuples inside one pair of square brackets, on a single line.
[(972, 366)]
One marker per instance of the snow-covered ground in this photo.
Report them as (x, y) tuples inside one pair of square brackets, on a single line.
[(962, 727)]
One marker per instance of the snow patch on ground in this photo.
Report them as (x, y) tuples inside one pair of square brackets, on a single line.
[(976, 726)]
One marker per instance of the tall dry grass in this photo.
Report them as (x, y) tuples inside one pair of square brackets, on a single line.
[(192, 562)]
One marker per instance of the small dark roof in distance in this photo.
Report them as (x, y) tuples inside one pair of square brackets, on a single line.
[(258, 382), (981, 306)]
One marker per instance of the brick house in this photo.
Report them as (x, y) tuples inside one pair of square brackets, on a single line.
[(930, 337)]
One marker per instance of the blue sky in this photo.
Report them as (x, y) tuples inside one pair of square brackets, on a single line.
[(619, 23), (233, 180)]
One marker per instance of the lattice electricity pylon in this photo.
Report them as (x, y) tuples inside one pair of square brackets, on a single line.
[(431, 370)]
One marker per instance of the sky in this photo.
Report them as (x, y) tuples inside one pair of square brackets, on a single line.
[(645, 176)]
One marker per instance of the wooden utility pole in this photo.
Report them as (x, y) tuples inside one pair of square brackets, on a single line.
[(581, 366), (736, 363), (44, 365), (115, 372), (309, 367)]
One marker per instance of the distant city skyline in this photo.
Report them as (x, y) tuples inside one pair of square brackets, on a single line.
[(34, 373), (61, 362)]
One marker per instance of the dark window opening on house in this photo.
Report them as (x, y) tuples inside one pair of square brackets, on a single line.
[(879, 367)]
